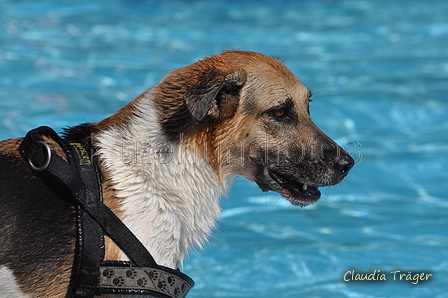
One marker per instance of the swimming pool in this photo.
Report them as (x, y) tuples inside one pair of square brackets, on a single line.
[(379, 74)]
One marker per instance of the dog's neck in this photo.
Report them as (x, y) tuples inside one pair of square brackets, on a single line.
[(169, 197)]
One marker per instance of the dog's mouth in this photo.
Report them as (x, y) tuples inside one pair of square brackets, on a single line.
[(297, 192)]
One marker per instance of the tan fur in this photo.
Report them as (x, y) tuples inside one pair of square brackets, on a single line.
[(11, 147), (49, 282), (223, 138), (268, 79), (235, 129), (112, 251)]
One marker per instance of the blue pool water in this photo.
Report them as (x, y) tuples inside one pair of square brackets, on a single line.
[(379, 74)]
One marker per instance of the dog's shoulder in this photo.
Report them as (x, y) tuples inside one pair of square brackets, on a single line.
[(11, 164), (37, 225), (10, 148)]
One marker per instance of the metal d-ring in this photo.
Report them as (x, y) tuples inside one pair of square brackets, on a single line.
[(47, 162)]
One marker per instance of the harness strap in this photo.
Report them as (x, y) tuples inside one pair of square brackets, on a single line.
[(123, 278), (71, 174), (74, 175), (90, 249)]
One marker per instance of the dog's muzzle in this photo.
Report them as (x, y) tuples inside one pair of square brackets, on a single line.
[(298, 193), (299, 183)]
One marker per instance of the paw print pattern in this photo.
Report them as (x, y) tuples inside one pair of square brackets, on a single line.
[(131, 273), (176, 292), (183, 288), (162, 285), (118, 281), (153, 275), (171, 280), (142, 282), (179, 291), (108, 273), (135, 278)]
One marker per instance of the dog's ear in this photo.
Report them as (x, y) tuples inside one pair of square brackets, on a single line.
[(215, 94)]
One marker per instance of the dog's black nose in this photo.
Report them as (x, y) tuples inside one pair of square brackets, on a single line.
[(344, 164)]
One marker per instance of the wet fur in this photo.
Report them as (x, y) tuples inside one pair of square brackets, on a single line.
[(166, 159)]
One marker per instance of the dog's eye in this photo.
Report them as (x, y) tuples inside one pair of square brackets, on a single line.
[(282, 113), (279, 112)]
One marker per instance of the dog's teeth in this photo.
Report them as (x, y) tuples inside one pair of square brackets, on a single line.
[(305, 187)]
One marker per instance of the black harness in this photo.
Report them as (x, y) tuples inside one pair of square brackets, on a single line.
[(92, 275)]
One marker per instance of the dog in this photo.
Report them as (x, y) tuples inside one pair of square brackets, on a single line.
[(166, 159)]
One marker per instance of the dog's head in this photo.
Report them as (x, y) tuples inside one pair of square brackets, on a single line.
[(249, 116)]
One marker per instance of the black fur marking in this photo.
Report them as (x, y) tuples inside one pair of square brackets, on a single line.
[(37, 225), (81, 133), (216, 96), (200, 98), (177, 124)]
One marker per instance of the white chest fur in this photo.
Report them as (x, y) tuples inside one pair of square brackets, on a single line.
[(8, 284), (170, 196)]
